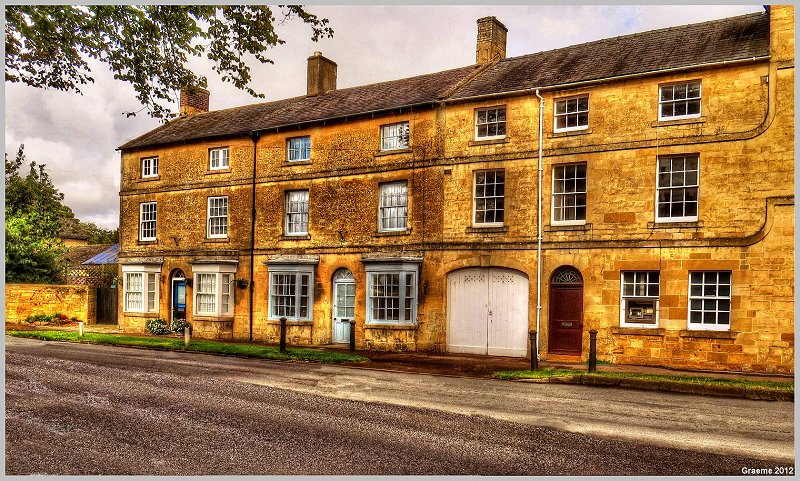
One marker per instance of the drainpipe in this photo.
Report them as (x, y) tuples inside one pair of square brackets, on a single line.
[(254, 135), (539, 233)]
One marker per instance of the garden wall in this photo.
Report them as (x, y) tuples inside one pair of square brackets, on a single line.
[(24, 300)]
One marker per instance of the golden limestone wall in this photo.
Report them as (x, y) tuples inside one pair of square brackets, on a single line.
[(24, 300), (744, 140)]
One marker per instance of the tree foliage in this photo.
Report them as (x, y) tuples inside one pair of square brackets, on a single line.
[(147, 45), (34, 213)]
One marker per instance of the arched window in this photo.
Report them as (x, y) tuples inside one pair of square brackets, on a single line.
[(343, 275), (566, 275)]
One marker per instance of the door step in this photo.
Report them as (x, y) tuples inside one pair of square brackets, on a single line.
[(564, 358)]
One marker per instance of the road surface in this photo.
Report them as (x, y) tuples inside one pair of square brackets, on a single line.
[(83, 409)]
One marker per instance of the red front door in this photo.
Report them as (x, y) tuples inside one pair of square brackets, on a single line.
[(566, 319)]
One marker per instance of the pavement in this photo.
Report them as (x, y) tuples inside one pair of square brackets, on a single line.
[(482, 366)]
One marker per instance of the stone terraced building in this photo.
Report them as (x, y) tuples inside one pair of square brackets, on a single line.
[(664, 217)]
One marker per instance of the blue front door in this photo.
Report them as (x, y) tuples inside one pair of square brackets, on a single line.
[(178, 299)]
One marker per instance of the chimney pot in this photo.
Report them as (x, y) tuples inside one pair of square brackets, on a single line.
[(194, 100), (321, 75), (491, 40)]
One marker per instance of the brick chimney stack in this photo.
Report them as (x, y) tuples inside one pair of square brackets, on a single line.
[(321, 75), (491, 40), (194, 100)]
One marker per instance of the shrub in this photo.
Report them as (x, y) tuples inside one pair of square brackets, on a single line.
[(178, 325), (57, 319), (157, 326), (39, 319)]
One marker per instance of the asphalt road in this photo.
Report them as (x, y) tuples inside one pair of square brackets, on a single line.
[(82, 409)]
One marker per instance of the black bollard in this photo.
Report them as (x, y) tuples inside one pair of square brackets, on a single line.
[(534, 354), (593, 351), (283, 334), (353, 335)]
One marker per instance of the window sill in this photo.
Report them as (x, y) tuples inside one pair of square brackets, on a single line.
[(215, 240), (667, 123), (502, 229), (290, 322), (568, 228), (382, 153), (476, 143), (148, 179), (708, 334), (212, 318), (390, 233), (638, 331), (147, 242), (218, 171), (569, 133), (392, 327), (140, 314), (286, 237), (292, 163), (675, 225)]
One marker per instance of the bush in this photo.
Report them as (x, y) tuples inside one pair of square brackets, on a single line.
[(57, 319), (178, 325), (157, 326)]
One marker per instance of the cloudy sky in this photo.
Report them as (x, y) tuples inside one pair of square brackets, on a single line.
[(76, 136)]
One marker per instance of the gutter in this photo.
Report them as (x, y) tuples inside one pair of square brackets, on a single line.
[(527, 91)]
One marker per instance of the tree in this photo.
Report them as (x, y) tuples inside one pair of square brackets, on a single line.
[(146, 45), (34, 213)]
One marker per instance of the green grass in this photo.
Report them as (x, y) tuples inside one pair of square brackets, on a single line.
[(548, 373), (176, 344)]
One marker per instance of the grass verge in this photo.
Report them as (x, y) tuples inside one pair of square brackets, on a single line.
[(176, 344), (693, 380)]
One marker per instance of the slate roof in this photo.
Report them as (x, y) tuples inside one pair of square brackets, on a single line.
[(78, 254), (108, 256), (734, 38)]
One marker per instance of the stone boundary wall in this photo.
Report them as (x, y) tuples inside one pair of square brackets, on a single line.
[(23, 300)]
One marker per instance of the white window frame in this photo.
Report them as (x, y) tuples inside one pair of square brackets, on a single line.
[(395, 136), (684, 188), (222, 274), (290, 211), (702, 298), (390, 203), (478, 124), (221, 157), (403, 270), (567, 114), (144, 223), (149, 167), (209, 234), (640, 298), (576, 193), (148, 274), (476, 199), (685, 84), (299, 271), (303, 153)]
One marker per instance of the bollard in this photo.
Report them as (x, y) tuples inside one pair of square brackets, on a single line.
[(352, 335), (80, 328), (534, 354), (187, 336), (283, 335), (593, 351)]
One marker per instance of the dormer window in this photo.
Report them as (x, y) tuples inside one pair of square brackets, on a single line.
[(679, 101), (490, 123)]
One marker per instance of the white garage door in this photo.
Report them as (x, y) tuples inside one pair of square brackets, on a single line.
[(487, 311)]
